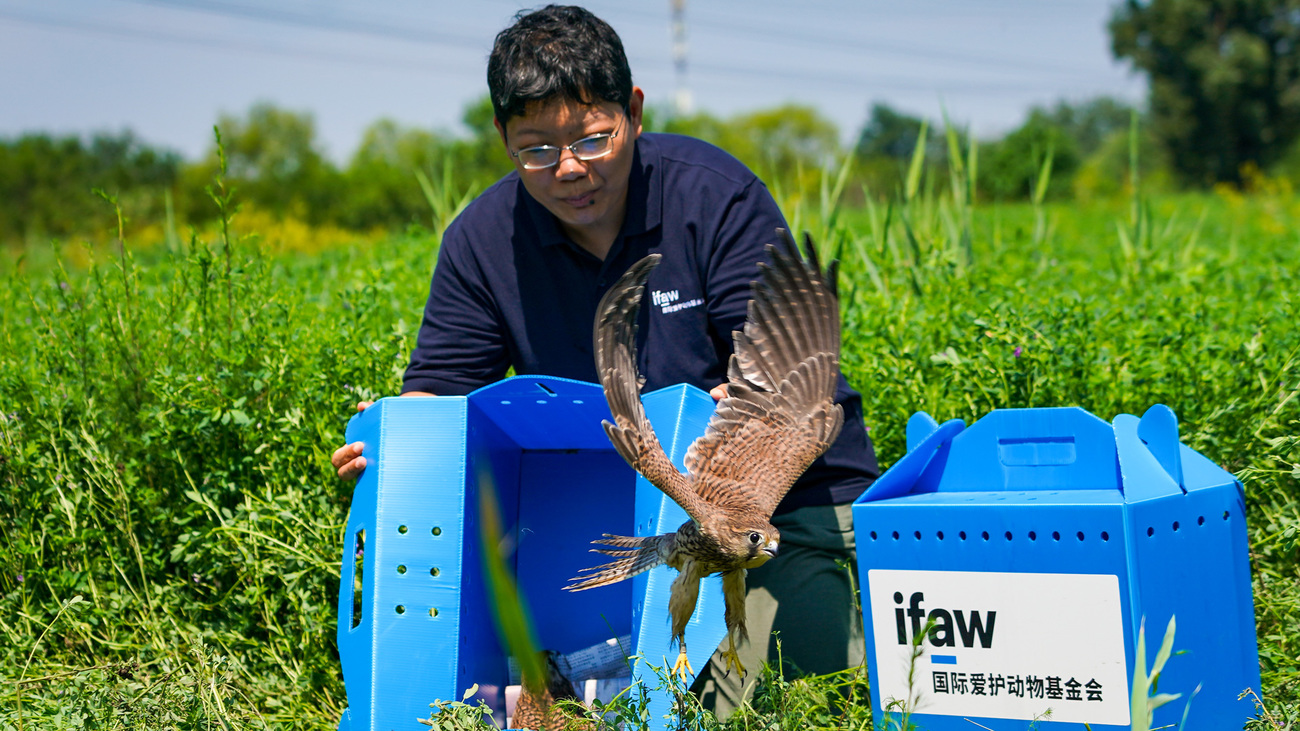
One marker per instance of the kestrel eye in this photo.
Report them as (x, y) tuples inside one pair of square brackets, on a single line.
[(754, 538)]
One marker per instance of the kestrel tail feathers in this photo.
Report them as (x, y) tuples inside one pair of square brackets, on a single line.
[(633, 555)]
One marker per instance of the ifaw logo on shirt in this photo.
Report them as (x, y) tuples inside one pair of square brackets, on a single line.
[(668, 301)]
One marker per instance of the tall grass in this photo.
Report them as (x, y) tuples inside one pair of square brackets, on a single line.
[(166, 419), (164, 454)]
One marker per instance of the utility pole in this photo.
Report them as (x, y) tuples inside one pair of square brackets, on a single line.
[(682, 99)]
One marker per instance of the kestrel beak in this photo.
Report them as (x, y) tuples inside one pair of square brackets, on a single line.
[(772, 548)]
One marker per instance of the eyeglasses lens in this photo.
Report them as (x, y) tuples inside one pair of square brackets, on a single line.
[(587, 148)]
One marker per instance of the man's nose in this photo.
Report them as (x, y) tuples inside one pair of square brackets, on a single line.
[(570, 166)]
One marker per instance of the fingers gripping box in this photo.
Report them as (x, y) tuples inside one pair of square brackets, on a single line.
[(1006, 569)]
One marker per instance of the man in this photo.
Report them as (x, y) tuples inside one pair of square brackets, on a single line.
[(521, 270)]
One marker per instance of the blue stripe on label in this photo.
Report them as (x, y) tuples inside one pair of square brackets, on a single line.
[(943, 659)]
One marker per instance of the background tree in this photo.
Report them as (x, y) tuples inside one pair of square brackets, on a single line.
[(886, 144), (276, 163), (1092, 121), (382, 188), (777, 143), (47, 183), (889, 133), (1009, 168), (381, 179), (1224, 76), (480, 158)]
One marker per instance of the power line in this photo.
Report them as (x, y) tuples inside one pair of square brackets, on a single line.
[(910, 50), (735, 26), (132, 33), (816, 78), (732, 28), (264, 14), (860, 82)]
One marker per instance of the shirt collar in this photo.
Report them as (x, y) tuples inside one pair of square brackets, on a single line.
[(644, 198)]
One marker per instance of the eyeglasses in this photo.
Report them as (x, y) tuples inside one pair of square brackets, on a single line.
[(587, 148)]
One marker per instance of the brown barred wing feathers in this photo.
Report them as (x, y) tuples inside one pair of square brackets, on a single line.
[(780, 414), (630, 432)]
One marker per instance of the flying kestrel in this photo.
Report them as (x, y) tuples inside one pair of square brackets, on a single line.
[(778, 416)]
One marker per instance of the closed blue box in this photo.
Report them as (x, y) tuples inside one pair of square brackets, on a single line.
[(416, 627), (1006, 569)]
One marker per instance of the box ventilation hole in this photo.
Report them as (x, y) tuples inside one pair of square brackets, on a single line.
[(358, 575)]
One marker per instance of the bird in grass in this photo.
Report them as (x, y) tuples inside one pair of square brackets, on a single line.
[(536, 708), (778, 416)]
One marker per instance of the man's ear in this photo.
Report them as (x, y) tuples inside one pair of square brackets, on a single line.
[(635, 106), (502, 131)]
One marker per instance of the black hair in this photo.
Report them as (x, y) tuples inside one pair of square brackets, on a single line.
[(558, 52)]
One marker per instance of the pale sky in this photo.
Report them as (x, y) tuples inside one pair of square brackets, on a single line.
[(168, 68)]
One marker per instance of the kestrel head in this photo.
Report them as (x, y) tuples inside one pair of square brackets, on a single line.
[(755, 543)]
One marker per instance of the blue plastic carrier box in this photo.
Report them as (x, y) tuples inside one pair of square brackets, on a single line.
[(414, 621), (1026, 552)]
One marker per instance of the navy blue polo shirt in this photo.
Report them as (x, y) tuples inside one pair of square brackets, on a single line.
[(510, 289)]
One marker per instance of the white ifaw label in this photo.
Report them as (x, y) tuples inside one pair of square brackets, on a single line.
[(1001, 645)]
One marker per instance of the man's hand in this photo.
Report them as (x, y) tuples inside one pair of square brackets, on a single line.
[(718, 392), (347, 459)]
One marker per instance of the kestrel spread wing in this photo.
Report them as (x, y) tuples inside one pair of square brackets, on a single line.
[(631, 433), (779, 414)]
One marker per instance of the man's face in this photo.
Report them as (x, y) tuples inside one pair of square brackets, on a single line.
[(588, 197)]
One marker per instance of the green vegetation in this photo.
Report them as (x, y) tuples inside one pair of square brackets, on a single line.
[(45, 183), (170, 527), (286, 182), (1223, 80), (273, 159)]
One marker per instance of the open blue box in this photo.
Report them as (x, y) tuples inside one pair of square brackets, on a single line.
[(419, 629), (1033, 545)]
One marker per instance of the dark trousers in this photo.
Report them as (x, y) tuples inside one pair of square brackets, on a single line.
[(806, 596)]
